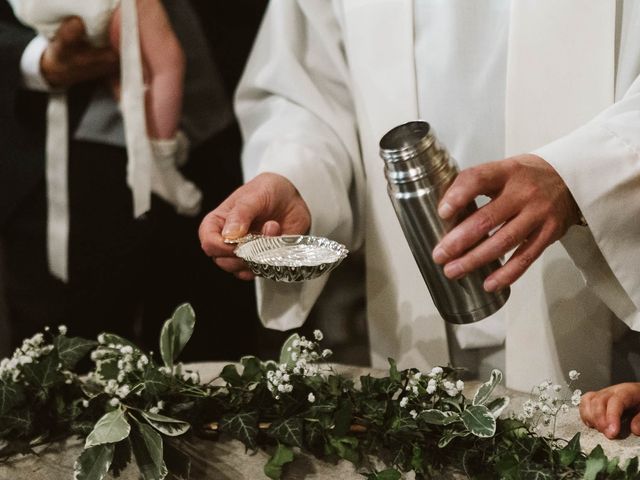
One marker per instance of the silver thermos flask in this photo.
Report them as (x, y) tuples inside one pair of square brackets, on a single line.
[(419, 170)]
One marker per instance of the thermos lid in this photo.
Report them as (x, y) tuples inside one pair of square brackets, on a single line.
[(406, 141)]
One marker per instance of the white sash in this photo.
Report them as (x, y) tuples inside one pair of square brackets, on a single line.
[(140, 154)]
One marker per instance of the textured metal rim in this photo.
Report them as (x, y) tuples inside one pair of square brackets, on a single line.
[(291, 270)]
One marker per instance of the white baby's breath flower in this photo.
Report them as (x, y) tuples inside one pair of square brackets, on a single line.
[(460, 385), (311, 398), (436, 371), (154, 410), (101, 339), (126, 350), (326, 353), (85, 403), (403, 402), (294, 356), (573, 375), (317, 334), (413, 414), (160, 405), (114, 402), (575, 398), (62, 329)]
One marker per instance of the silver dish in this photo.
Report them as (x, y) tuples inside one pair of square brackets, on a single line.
[(290, 258)]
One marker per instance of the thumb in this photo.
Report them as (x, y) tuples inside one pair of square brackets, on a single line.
[(239, 219), (71, 32)]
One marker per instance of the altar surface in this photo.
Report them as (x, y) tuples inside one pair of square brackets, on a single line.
[(227, 460)]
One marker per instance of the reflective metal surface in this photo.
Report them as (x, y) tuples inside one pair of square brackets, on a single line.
[(290, 258), (418, 171)]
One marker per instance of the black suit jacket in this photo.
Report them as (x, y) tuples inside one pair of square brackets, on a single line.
[(23, 118)]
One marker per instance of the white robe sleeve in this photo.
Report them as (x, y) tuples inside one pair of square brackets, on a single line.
[(297, 118), (600, 163)]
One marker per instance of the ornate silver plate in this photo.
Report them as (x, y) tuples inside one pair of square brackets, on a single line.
[(290, 258)]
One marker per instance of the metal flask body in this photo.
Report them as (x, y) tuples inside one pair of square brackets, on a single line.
[(419, 170)]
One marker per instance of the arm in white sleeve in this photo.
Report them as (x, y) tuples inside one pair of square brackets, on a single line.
[(32, 78), (600, 163), (297, 118)]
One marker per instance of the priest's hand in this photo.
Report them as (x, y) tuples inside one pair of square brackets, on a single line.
[(530, 204), (604, 409), (268, 204), (70, 59)]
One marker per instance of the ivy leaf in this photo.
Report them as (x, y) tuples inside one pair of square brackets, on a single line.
[(10, 396), (596, 463), (343, 419), (282, 456), (287, 350), (389, 474), (252, 371), (242, 426), (148, 450), (571, 450), (20, 421), (111, 428), (393, 371), (314, 434), (72, 349), (288, 431), (479, 421), (93, 463), (230, 375), (632, 467), (167, 425), (438, 417), (346, 448), (417, 459), (485, 390), (176, 332), (497, 406), (43, 373), (178, 462)]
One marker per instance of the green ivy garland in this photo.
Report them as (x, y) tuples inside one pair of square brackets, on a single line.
[(130, 408)]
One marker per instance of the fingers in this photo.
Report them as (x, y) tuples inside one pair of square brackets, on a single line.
[(71, 32), (240, 217), (635, 424), (585, 409), (483, 180), (475, 228), (611, 425), (271, 229), (519, 262)]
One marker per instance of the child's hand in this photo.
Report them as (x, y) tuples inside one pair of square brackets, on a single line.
[(70, 59), (603, 409)]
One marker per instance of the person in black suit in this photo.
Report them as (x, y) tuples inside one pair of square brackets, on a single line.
[(125, 275)]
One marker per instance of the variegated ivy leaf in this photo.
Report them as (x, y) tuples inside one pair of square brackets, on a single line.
[(111, 428), (287, 350), (176, 332), (497, 406), (485, 390), (479, 421), (438, 417), (94, 463), (148, 449), (169, 426), (448, 436), (288, 431)]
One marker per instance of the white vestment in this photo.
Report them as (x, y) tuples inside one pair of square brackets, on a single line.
[(327, 79)]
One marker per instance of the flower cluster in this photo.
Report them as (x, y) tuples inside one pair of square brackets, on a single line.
[(31, 350), (303, 356), (422, 391), (551, 400)]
